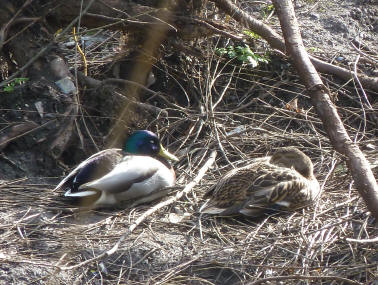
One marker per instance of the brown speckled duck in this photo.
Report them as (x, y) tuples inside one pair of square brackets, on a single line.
[(283, 181)]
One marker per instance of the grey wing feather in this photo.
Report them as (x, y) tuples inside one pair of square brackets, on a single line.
[(120, 186), (109, 157)]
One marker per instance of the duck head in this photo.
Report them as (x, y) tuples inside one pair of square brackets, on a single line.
[(144, 142), (292, 157)]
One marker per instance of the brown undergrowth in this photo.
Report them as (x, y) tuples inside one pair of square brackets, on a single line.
[(243, 113)]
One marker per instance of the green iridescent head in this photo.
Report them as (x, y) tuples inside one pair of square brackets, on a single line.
[(144, 142)]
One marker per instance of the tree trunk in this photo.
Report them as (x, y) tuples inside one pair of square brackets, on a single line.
[(358, 165)]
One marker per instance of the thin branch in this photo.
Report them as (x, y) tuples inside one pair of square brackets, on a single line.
[(306, 277), (373, 240), (46, 48), (5, 28), (276, 42), (357, 163)]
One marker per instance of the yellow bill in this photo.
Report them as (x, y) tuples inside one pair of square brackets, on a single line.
[(166, 154)]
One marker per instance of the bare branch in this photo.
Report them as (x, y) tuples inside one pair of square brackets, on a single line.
[(276, 42), (305, 277), (358, 165)]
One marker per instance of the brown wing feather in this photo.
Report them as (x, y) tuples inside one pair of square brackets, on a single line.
[(256, 188)]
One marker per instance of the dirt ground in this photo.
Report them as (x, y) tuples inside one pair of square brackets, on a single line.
[(40, 235)]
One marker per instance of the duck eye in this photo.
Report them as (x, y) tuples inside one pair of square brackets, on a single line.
[(152, 142)]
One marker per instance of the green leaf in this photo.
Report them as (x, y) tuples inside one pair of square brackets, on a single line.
[(251, 34), (9, 88), (220, 51), (14, 82), (20, 80)]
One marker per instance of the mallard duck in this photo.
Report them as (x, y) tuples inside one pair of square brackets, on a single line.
[(283, 181), (137, 173)]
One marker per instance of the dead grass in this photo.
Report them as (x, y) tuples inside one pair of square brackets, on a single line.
[(243, 114)]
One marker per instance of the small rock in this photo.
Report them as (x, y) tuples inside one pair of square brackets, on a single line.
[(66, 85), (175, 218), (314, 16), (336, 25), (340, 58), (356, 13), (38, 105), (370, 146)]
